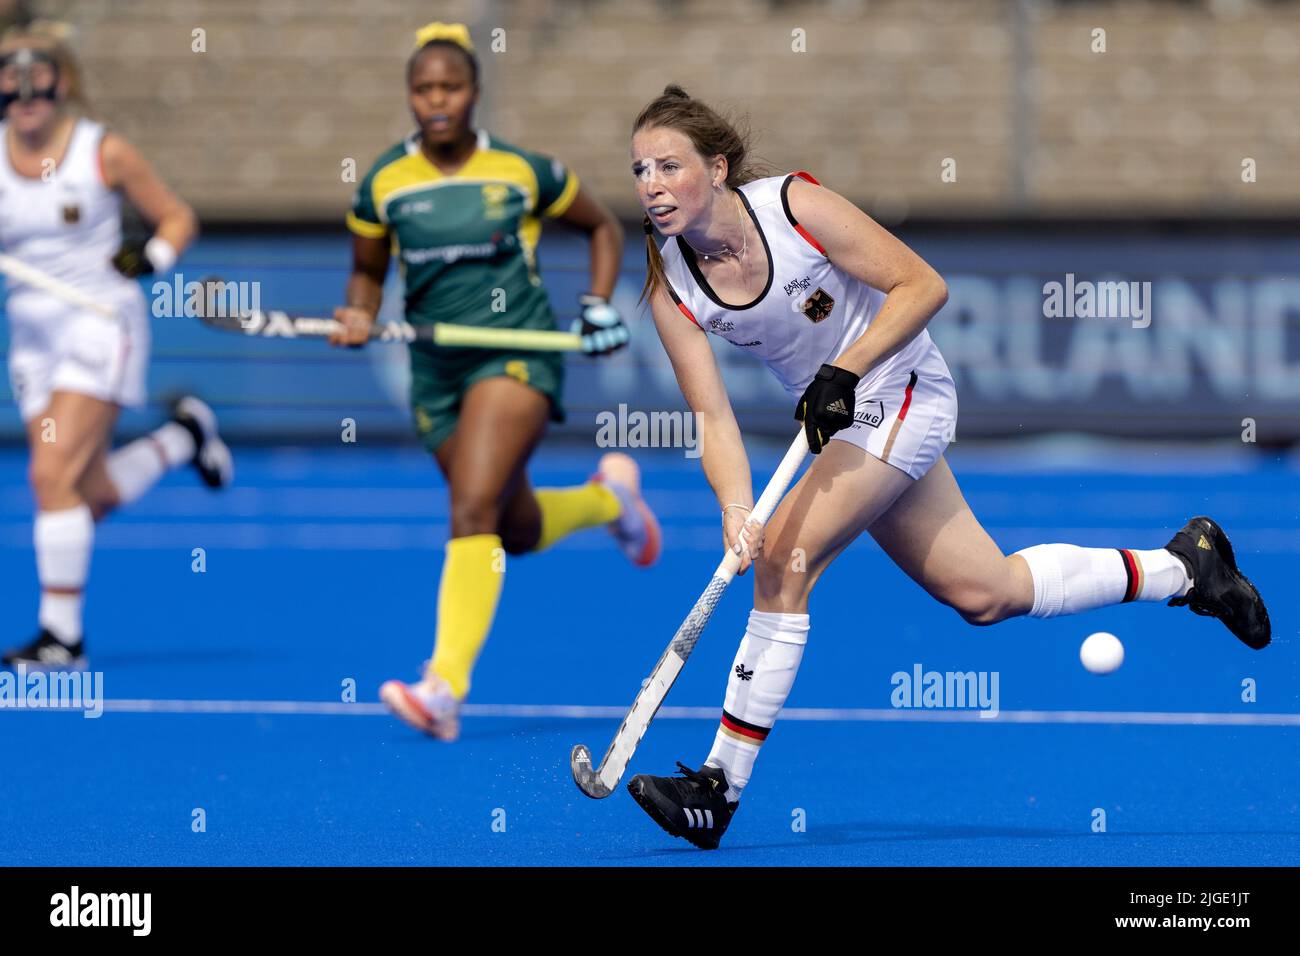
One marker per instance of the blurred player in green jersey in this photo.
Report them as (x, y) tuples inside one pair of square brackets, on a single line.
[(463, 213)]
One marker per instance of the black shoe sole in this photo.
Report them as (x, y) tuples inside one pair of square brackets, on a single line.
[(25, 656), (647, 803), (1218, 539), (210, 478), (78, 663), (44, 667)]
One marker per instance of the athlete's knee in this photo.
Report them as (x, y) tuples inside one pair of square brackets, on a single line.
[(780, 582), (519, 536), (53, 480), (101, 506), (473, 512), (980, 605), (99, 493)]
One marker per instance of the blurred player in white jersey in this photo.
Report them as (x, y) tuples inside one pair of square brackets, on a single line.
[(62, 177), (837, 308)]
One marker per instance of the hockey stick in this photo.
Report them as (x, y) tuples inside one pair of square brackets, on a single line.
[(274, 323), (598, 782), (277, 324), (17, 269)]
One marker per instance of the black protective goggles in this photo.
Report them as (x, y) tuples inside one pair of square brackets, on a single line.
[(24, 61)]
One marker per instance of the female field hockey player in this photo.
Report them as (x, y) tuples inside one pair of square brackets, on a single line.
[(62, 178), (837, 308), (463, 212)]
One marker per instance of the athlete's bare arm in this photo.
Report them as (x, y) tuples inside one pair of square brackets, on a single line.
[(722, 450), (365, 291), (126, 169), (589, 214), (865, 250)]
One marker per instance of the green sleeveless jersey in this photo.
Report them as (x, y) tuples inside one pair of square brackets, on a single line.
[(466, 244)]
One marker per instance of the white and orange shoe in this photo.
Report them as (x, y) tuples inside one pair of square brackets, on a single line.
[(428, 706), (636, 529)]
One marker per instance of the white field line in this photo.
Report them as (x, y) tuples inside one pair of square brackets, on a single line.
[(826, 714)]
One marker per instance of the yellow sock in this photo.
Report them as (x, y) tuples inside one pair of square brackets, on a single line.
[(467, 601), (566, 510)]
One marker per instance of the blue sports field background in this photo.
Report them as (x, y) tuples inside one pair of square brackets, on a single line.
[(321, 572), (322, 568)]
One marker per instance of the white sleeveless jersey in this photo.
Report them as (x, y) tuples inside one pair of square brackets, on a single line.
[(70, 226), (809, 312)]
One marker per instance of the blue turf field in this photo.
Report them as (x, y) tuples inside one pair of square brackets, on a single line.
[(322, 567)]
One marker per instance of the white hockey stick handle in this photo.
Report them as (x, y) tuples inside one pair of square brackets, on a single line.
[(17, 269)]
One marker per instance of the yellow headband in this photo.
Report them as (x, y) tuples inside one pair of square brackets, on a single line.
[(456, 33)]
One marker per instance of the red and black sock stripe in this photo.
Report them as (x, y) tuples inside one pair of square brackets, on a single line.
[(749, 733), (1133, 568), (160, 451)]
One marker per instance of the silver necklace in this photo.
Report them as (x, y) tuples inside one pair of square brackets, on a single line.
[(726, 250)]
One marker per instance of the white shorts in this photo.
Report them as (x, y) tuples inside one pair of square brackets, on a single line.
[(57, 347), (907, 418)]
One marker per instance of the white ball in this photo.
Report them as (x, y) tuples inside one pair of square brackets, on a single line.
[(1102, 653)]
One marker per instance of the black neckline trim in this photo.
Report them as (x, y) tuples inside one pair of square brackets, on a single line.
[(785, 200), (689, 255)]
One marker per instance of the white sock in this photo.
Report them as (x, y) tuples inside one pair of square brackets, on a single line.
[(1069, 579), (760, 680), (136, 467), (63, 542)]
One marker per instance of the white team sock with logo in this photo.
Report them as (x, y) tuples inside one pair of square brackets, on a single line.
[(1069, 579), (760, 680), (63, 542), (135, 468)]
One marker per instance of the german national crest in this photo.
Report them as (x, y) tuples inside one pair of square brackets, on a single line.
[(818, 305)]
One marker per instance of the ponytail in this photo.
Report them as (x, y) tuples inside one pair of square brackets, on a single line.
[(654, 264)]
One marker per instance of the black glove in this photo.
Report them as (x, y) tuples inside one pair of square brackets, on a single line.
[(826, 405), (601, 327), (132, 261)]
